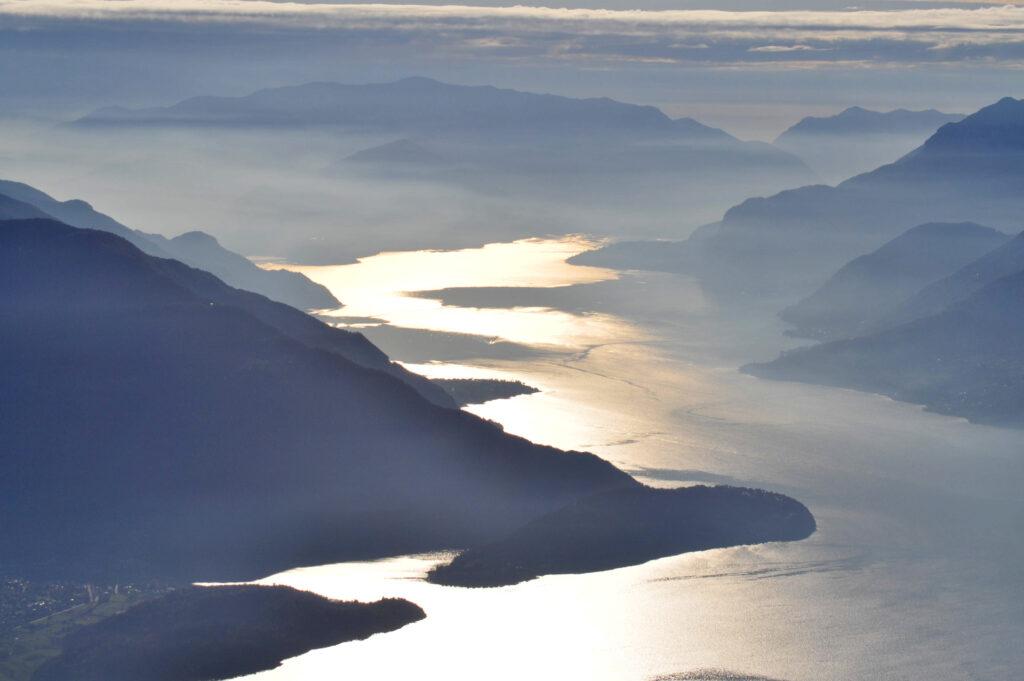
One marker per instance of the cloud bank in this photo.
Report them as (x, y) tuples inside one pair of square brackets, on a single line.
[(985, 34)]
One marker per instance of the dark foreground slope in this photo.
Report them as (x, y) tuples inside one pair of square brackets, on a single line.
[(869, 287), (151, 423), (197, 249), (966, 361), (202, 251), (201, 634), (160, 422), (157, 422), (629, 527)]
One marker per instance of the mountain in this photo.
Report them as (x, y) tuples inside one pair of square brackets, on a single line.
[(966, 361), (857, 140), (439, 107), (158, 420), (873, 285), (616, 528), (203, 633), (500, 141), (791, 242), (163, 423), (193, 248), (937, 296), (204, 252), (12, 209)]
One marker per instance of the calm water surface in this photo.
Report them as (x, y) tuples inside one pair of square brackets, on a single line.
[(915, 572)]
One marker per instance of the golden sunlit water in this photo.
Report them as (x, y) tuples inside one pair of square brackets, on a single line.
[(379, 288), (915, 571)]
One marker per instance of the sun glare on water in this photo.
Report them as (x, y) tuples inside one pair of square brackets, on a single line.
[(383, 288)]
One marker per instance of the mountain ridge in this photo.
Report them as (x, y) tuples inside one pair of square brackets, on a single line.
[(205, 253), (964, 361), (868, 287)]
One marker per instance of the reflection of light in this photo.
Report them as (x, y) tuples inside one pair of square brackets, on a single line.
[(377, 287)]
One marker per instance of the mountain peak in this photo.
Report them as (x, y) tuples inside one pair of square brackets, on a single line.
[(418, 80), (997, 128), (197, 237)]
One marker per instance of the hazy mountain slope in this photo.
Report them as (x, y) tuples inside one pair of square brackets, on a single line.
[(12, 209), (153, 426), (791, 242), (201, 250), (78, 213), (871, 286), (857, 140), (440, 107), (937, 296), (193, 248), (966, 361)]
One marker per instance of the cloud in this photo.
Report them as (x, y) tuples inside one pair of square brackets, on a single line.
[(989, 34), (785, 48)]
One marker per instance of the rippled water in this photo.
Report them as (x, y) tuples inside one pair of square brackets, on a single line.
[(915, 572)]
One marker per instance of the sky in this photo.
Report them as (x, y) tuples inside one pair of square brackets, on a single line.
[(750, 67)]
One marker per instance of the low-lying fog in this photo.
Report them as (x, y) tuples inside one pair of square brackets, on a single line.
[(296, 195)]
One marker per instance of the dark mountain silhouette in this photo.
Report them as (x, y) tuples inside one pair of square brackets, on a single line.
[(152, 419), (158, 422), (869, 287), (205, 633), (967, 360), (479, 390), (193, 248), (789, 243), (629, 527), (198, 247), (937, 296), (857, 140)]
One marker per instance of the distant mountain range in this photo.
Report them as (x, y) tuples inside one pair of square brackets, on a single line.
[(789, 243), (19, 200), (488, 139), (857, 140), (869, 287), (159, 422), (439, 107)]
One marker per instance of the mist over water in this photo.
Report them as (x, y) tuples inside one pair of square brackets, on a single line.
[(915, 569)]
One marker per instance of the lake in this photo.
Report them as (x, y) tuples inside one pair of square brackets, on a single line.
[(915, 571)]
